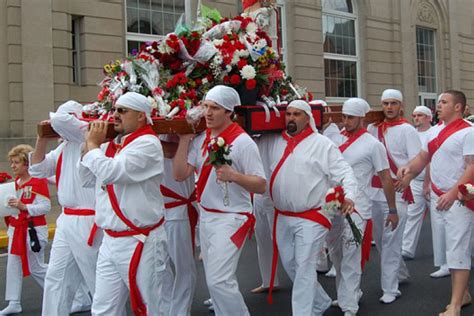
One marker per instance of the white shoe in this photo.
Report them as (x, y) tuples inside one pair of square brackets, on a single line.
[(389, 298), (331, 273), (441, 273), (208, 302), (80, 309), (14, 307)]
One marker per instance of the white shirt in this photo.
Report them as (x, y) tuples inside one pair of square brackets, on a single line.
[(447, 164), (70, 192), (366, 156), (136, 173), (403, 144), (423, 139), (245, 159), (303, 180)]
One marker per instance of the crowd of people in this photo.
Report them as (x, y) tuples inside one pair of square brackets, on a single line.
[(134, 208)]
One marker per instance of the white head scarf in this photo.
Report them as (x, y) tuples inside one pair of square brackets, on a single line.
[(71, 107), (356, 107), (304, 106), (224, 96), (318, 102), (137, 102), (423, 110), (392, 94)]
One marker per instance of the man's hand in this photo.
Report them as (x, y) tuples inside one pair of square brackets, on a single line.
[(402, 184), (392, 219), (16, 203), (225, 173), (97, 134), (402, 172), (446, 200), (466, 197), (347, 207)]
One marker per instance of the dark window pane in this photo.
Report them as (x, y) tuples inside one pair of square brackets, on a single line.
[(145, 22), (157, 5), (338, 5), (425, 51), (157, 23), (132, 4), (132, 20), (144, 4), (340, 78)]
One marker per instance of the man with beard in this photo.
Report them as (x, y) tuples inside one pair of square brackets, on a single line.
[(422, 117), (304, 165), (402, 144), (367, 156)]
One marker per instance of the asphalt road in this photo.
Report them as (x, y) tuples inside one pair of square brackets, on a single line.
[(421, 295)]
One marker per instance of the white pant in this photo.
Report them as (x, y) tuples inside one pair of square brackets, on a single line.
[(72, 262), (414, 218), (113, 265), (299, 241), (221, 257), (451, 235), (178, 287), (346, 257), (14, 279), (389, 244), (264, 213)]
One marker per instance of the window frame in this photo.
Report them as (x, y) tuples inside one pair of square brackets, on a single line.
[(332, 56)]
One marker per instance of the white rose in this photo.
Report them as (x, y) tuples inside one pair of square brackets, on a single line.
[(218, 59), (248, 72), (213, 141), (470, 188), (220, 142)]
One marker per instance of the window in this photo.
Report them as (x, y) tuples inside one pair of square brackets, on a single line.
[(426, 60), (281, 29), (340, 49), (76, 57), (149, 20)]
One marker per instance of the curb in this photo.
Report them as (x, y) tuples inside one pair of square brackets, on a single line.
[(4, 236)]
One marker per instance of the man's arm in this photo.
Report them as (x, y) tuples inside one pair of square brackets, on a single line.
[(181, 168), (446, 200), (39, 153), (389, 191), (414, 167)]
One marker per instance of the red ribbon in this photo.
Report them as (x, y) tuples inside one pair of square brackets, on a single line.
[(84, 212)]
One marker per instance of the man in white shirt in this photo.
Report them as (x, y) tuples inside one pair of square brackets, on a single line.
[(450, 152), (76, 240), (304, 165), (127, 176), (367, 156), (402, 144), (223, 226), (422, 117)]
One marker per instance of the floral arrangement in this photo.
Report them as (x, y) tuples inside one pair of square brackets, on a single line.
[(467, 191), (218, 156), (333, 202), (177, 71), (4, 177)]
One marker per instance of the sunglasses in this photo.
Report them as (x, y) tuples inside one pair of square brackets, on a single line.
[(120, 110)]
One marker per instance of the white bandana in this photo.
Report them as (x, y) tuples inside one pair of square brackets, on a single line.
[(423, 110), (392, 94), (303, 106), (137, 102), (224, 96), (356, 107)]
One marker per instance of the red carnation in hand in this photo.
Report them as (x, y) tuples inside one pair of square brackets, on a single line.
[(235, 80), (251, 84)]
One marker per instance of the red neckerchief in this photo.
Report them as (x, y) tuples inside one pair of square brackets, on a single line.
[(384, 125), (351, 138), (447, 131), (138, 306), (229, 134), (291, 143)]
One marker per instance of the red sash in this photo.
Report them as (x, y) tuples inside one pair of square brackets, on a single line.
[(366, 243), (351, 138), (181, 200), (444, 134), (138, 306), (469, 204), (376, 182), (19, 241)]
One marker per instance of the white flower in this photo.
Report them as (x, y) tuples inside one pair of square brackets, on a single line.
[(248, 72), (204, 80), (251, 28), (218, 42), (228, 68), (244, 53), (220, 142), (470, 188), (213, 141), (218, 59), (235, 58), (181, 89)]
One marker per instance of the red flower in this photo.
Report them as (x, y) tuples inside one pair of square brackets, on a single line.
[(242, 63), (4, 176), (250, 84), (226, 79), (235, 80), (198, 81)]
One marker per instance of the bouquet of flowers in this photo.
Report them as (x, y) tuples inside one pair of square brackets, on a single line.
[(4, 177), (467, 190), (332, 207), (218, 156)]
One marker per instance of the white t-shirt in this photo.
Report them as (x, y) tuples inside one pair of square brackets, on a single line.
[(245, 159), (403, 144), (303, 180), (447, 164)]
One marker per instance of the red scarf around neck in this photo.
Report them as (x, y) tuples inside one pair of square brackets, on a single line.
[(351, 138)]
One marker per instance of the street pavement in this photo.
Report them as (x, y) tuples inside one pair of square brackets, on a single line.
[(421, 295)]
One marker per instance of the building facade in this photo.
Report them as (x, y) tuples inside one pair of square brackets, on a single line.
[(54, 50)]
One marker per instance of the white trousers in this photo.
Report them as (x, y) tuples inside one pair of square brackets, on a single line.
[(179, 285), (264, 213), (389, 244), (346, 257), (299, 241), (113, 265), (415, 217), (72, 262), (221, 257), (37, 266), (452, 231)]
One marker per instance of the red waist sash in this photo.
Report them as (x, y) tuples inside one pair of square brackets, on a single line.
[(469, 204), (84, 212)]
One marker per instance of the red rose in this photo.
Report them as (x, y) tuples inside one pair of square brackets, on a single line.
[(226, 79), (242, 63), (251, 84), (235, 80)]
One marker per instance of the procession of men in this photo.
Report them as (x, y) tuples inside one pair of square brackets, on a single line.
[(138, 210)]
